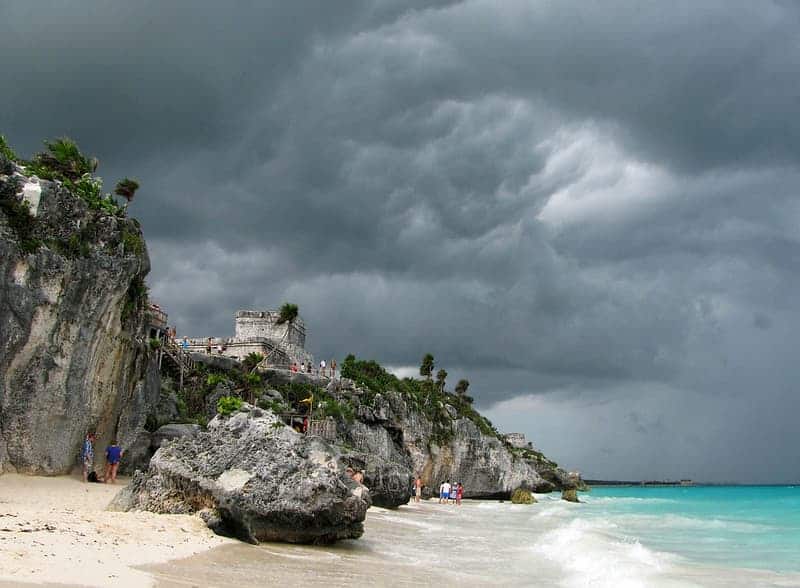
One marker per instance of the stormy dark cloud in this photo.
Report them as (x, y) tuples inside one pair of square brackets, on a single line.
[(588, 209)]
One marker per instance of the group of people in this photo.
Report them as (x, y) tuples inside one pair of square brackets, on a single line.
[(451, 493), (324, 368), (448, 493), (113, 457)]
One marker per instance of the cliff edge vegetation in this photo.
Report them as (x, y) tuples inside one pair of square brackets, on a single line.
[(391, 428)]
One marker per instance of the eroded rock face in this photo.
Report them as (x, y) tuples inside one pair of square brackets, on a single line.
[(254, 478), (393, 442), (70, 361)]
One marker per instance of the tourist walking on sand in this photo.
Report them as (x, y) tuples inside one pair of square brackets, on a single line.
[(87, 455), (417, 489), (459, 494), (453, 489), (113, 457)]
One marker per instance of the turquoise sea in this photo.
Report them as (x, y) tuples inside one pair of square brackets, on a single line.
[(755, 527), (641, 537)]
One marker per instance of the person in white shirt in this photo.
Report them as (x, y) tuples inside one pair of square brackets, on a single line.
[(444, 492)]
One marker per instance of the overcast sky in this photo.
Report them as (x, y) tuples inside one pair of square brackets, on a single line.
[(589, 209)]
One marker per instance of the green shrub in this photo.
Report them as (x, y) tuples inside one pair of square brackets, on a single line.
[(154, 343), (135, 299), (7, 151), (132, 242), (522, 496), (252, 379), (22, 222), (252, 360), (213, 379), (62, 160), (227, 405)]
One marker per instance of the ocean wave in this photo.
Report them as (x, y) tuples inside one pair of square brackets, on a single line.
[(682, 522), (589, 499), (590, 556)]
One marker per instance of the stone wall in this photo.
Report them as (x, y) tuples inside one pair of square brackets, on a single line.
[(239, 349), (251, 323), (516, 440)]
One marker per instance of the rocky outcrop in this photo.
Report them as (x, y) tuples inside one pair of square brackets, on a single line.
[(392, 441), (72, 296), (403, 442), (254, 478)]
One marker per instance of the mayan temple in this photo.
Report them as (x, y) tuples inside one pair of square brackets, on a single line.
[(258, 331)]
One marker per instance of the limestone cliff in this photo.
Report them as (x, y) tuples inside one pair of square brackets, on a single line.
[(72, 312), (396, 440), (404, 430)]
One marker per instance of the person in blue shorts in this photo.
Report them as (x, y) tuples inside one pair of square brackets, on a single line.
[(444, 492), (113, 457)]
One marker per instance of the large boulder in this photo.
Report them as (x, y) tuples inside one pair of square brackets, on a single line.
[(387, 469), (254, 478), (173, 431)]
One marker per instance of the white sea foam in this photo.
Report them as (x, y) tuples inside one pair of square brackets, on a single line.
[(590, 556)]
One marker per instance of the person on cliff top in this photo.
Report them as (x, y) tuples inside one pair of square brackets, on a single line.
[(302, 367), (333, 368), (185, 344), (322, 367), (113, 457), (87, 455), (208, 346), (417, 489), (459, 494)]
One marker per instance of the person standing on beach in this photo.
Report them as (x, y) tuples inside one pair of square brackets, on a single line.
[(452, 497), (417, 489), (459, 493), (87, 455), (444, 492), (113, 457)]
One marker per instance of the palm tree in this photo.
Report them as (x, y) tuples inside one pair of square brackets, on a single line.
[(441, 376), (65, 159), (426, 367), (252, 360), (126, 188), (461, 387), (287, 314)]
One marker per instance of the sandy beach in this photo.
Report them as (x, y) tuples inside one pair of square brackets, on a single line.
[(56, 530)]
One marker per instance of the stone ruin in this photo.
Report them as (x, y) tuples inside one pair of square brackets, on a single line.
[(258, 331), (518, 440)]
